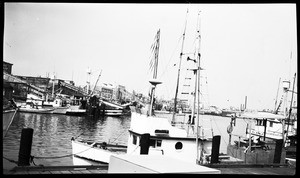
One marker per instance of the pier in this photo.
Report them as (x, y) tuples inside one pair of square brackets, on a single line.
[(103, 169), (92, 169)]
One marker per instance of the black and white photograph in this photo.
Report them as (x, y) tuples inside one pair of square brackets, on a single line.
[(156, 88)]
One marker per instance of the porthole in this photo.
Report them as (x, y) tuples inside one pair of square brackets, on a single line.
[(178, 146)]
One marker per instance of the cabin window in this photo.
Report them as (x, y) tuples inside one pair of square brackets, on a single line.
[(271, 124), (134, 139), (178, 146), (152, 143), (259, 122), (158, 143)]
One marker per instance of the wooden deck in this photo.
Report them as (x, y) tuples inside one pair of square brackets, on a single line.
[(283, 171), (255, 169), (94, 169), (103, 169)]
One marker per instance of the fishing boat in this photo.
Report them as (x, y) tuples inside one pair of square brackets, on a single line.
[(59, 104), (75, 110), (30, 108), (154, 135), (185, 141), (270, 137), (263, 142), (113, 109), (34, 104)]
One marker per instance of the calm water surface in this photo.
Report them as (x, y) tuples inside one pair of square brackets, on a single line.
[(52, 134)]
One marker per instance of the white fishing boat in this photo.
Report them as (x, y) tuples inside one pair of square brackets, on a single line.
[(29, 108), (184, 141), (34, 104), (154, 135), (59, 104)]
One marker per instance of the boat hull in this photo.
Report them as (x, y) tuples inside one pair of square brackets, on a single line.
[(95, 152), (7, 118), (60, 110), (79, 112), (74, 110), (114, 112), (37, 110)]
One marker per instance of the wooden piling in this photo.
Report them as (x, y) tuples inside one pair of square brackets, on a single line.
[(215, 149), (278, 150), (25, 147)]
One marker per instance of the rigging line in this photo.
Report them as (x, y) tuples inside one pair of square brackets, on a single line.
[(171, 57), (119, 136), (10, 160)]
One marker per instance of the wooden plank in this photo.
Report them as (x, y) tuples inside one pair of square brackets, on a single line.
[(85, 171), (33, 172), (55, 172), (260, 171), (44, 172), (76, 172), (95, 171), (66, 172), (21, 172)]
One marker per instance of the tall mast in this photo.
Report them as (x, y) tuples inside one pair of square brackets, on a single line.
[(178, 75), (276, 96), (198, 86), (154, 65), (290, 111)]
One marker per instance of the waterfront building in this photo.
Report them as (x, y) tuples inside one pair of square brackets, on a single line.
[(7, 67)]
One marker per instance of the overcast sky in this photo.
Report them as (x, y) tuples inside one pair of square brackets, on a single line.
[(245, 48)]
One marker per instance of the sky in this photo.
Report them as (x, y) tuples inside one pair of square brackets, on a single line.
[(245, 48)]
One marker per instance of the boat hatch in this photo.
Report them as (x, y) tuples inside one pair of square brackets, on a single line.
[(161, 132)]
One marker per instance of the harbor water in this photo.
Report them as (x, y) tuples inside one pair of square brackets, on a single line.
[(51, 144)]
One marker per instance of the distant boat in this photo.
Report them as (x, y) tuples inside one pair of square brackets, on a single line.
[(59, 104), (29, 108), (75, 111)]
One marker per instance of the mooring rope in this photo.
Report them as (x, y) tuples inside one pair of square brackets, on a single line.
[(31, 159), (10, 160), (57, 157)]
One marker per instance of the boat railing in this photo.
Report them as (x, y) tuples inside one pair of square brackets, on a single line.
[(243, 141)]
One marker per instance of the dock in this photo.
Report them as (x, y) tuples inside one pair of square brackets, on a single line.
[(84, 169), (238, 169)]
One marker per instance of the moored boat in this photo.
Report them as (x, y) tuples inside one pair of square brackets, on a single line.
[(30, 109), (94, 151), (75, 111)]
